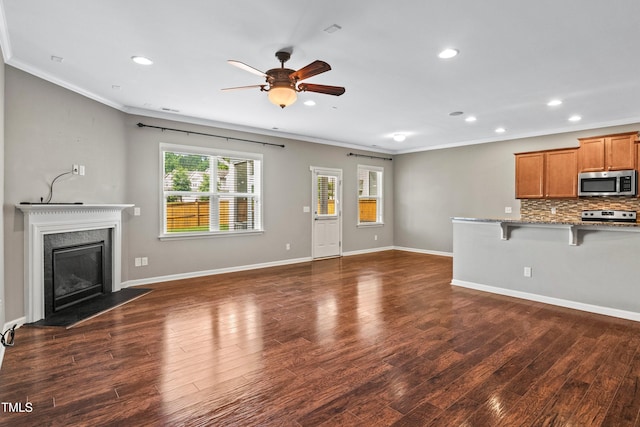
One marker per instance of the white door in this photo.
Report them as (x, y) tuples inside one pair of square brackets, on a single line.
[(327, 212)]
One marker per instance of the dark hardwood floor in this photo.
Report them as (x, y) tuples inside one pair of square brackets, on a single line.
[(368, 340)]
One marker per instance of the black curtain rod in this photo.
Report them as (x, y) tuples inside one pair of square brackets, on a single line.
[(370, 157), (141, 125)]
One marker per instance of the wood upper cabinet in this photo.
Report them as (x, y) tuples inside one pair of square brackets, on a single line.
[(638, 161), (610, 152), (547, 174), (561, 173), (530, 175)]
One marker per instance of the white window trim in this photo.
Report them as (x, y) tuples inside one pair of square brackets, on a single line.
[(380, 197), (188, 149)]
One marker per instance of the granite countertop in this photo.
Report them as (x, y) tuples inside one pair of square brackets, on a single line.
[(516, 221)]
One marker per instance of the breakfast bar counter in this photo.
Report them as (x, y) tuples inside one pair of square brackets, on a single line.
[(590, 266), (572, 227)]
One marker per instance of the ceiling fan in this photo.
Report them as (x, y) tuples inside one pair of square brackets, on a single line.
[(282, 83)]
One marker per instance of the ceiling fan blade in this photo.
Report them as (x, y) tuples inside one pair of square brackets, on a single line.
[(328, 90), (313, 69), (244, 87), (246, 67)]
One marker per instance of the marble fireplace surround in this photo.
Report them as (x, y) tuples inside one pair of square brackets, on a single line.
[(40, 220)]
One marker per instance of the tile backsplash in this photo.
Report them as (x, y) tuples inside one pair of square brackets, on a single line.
[(570, 209)]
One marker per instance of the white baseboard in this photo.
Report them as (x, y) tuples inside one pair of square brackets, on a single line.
[(368, 251), (607, 311), (190, 275), (194, 274), (18, 322), (424, 251)]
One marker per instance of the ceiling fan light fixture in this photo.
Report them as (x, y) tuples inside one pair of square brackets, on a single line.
[(282, 96)]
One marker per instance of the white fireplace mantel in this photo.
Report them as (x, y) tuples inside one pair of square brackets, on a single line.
[(43, 219)]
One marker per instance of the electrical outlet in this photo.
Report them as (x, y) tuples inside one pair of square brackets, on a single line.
[(145, 261), (287, 246), (375, 237), (138, 262), (136, 211), (527, 272), (507, 209), (75, 170), (553, 210)]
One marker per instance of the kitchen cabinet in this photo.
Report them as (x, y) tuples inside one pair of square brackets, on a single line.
[(561, 173), (547, 174), (609, 152), (530, 175), (638, 162)]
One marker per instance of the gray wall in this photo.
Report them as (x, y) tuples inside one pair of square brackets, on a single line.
[(562, 274), (50, 128), (47, 130), (286, 187), (473, 181), (2, 157)]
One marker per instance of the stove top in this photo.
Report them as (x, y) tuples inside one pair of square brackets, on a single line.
[(609, 216)]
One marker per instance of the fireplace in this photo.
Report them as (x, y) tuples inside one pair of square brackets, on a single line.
[(81, 235), (77, 274), (77, 267)]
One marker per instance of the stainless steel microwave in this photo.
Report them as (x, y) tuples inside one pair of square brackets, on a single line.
[(611, 183)]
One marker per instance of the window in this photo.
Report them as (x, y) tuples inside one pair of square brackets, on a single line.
[(326, 195), (206, 191), (370, 195)]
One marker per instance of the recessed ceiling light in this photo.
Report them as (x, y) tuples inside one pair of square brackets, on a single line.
[(448, 53), (310, 103), (500, 130), (575, 118), (399, 137), (141, 60), (456, 113), (470, 119), (554, 102)]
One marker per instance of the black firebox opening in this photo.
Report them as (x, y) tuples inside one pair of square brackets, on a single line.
[(78, 274), (78, 269)]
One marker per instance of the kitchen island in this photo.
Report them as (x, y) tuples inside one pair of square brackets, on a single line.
[(590, 266)]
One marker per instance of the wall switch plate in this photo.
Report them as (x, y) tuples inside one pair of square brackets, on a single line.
[(287, 246), (553, 210), (507, 209), (136, 211), (306, 209), (138, 262), (527, 272), (81, 170)]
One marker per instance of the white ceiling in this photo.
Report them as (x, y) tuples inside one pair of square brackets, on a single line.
[(514, 57)]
